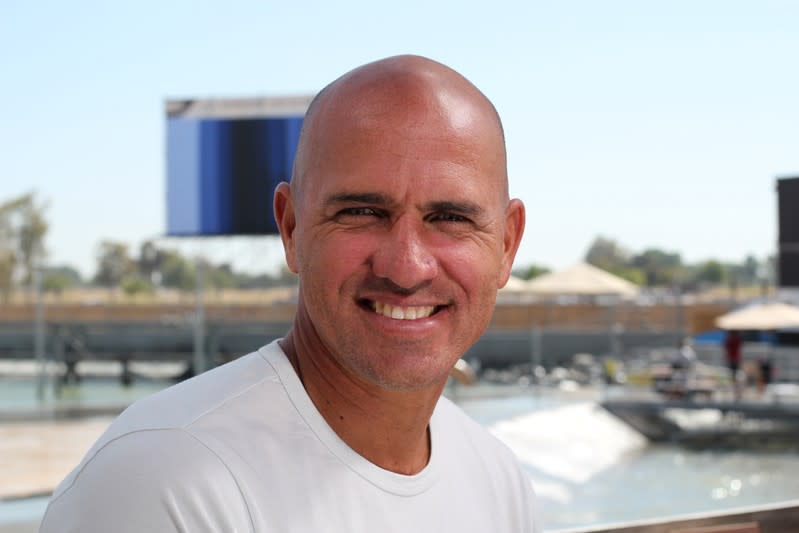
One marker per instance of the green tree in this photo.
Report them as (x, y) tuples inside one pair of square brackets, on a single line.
[(32, 229), (169, 268), (532, 271), (606, 254), (748, 271), (23, 227), (254, 281), (631, 274), (7, 264), (220, 276), (113, 264), (58, 279), (8, 252), (711, 271), (660, 268), (150, 261), (56, 283), (133, 285), (176, 271)]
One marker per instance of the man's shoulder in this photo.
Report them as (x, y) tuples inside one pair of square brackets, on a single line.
[(215, 394), (141, 481), (168, 419), (181, 405)]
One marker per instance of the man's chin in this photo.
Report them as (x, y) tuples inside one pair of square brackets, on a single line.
[(415, 376)]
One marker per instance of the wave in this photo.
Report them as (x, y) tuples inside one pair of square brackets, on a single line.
[(570, 444)]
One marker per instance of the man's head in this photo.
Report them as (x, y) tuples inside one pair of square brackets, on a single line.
[(416, 81), (398, 221)]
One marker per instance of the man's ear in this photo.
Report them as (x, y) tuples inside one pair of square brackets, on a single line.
[(285, 217), (514, 228)]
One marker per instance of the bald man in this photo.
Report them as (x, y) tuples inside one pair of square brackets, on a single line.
[(399, 226)]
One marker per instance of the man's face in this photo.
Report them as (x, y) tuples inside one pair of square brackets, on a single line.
[(403, 236)]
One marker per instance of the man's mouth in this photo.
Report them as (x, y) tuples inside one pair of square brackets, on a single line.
[(403, 313)]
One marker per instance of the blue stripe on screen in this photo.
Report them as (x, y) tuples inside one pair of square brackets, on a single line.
[(224, 198), (275, 166), (209, 178), (182, 191), (215, 178), (293, 125)]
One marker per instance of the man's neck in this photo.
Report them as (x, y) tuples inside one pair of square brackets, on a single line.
[(387, 427)]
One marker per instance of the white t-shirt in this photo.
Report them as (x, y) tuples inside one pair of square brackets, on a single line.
[(243, 449)]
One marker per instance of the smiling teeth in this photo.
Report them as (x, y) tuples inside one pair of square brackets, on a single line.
[(403, 313)]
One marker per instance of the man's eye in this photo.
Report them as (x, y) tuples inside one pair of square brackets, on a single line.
[(359, 212), (448, 217)]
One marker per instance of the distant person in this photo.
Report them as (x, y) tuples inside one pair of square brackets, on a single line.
[(682, 366), (399, 226), (684, 357), (732, 352), (765, 372)]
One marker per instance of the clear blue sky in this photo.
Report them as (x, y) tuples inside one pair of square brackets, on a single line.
[(655, 123)]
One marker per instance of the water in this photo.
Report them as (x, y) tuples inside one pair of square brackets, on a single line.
[(21, 516), (19, 394), (100, 387), (587, 467)]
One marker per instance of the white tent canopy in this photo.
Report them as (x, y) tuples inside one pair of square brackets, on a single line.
[(762, 317), (582, 279)]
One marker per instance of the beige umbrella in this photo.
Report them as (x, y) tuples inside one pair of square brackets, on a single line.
[(582, 279), (761, 317)]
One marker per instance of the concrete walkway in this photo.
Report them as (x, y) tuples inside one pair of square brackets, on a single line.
[(36, 456)]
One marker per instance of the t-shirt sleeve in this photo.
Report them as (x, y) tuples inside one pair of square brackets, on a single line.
[(154, 481)]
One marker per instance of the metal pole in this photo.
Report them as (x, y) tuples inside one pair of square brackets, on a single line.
[(535, 352), (613, 333), (199, 361), (679, 314), (39, 333)]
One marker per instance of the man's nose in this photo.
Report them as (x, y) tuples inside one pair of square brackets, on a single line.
[(403, 258)]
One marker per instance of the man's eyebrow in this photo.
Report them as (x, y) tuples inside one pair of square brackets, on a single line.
[(357, 198), (463, 208)]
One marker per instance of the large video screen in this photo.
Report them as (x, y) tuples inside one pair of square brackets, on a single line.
[(222, 172)]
